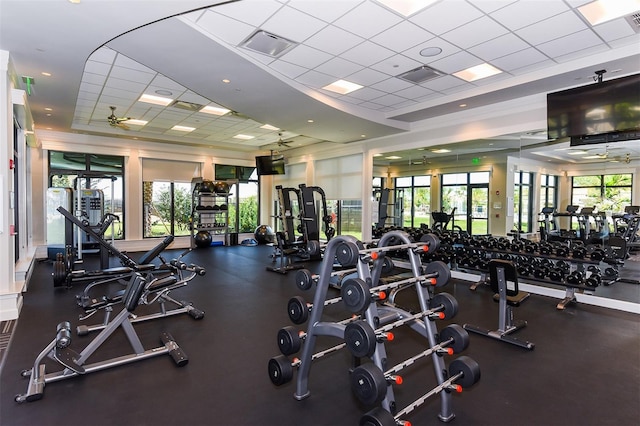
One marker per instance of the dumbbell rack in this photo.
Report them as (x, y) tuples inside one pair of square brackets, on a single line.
[(419, 323)]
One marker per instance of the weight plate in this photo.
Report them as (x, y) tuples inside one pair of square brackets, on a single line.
[(59, 273), (304, 279), (387, 265), (459, 335), (440, 271), (280, 370), (432, 241), (297, 310), (347, 253), (444, 302), (368, 384), (360, 339), (289, 341), (377, 417), (313, 248), (355, 295), (468, 367)]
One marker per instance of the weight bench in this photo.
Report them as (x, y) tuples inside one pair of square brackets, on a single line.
[(285, 252), (503, 278)]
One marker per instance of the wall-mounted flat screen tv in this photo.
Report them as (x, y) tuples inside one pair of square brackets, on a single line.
[(599, 108), (270, 165)]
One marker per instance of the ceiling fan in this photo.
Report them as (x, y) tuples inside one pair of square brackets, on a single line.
[(116, 121)]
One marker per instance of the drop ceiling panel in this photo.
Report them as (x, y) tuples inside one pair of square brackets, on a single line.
[(132, 75), (96, 67), (524, 13), (475, 32), (305, 56), (396, 64), (334, 40), (520, 59), (441, 17), (378, 19), (293, 24), (135, 88), (338, 67), (402, 36), (571, 43), (287, 69), (389, 100), (444, 83), (367, 77), (447, 50), (249, 12), (614, 30), (498, 47), (96, 79), (394, 85), (124, 62), (488, 6), (552, 28), (456, 62), (367, 53), (227, 29), (327, 10), (103, 55)]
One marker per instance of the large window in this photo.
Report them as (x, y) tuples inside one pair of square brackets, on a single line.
[(243, 200), (604, 192), (465, 196), (548, 191), (167, 208), (414, 193), (523, 201), (104, 173)]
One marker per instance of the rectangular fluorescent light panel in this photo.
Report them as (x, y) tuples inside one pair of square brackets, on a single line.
[(136, 122), (601, 11), (269, 127), (406, 8), (210, 109), (183, 128), (156, 100), (476, 73), (267, 43), (342, 86), (243, 137), (440, 151)]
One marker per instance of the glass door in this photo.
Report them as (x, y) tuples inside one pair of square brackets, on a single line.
[(478, 206)]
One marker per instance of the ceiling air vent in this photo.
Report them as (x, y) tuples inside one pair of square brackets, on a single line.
[(267, 43), (421, 74), (189, 106), (634, 21)]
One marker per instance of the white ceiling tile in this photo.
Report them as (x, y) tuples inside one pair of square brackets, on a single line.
[(96, 79), (389, 100), (501, 46), (315, 79), (97, 67), (447, 50), (443, 83), (393, 85), (224, 28), (103, 54), (254, 13), (287, 69), (456, 62), (366, 94), (614, 30), (552, 28), (339, 67), (445, 16), (630, 40), (475, 32), (402, 36), (488, 6), (124, 62), (519, 59), (293, 24), (132, 75), (305, 56), (593, 50), (571, 43), (160, 81), (367, 53), (189, 96), (90, 88), (415, 91), (367, 77), (119, 93), (533, 67), (334, 40), (132, 86), (523, 13), (367, 20), (327, 10), (396, 64)]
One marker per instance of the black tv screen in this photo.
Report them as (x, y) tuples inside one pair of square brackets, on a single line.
[(270, 165), (599, 108)]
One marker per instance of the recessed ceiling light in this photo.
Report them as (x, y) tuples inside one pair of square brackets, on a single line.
[(477, 72), (377, 155), (440, 151), (156, 100), (243, 137), (601, 11), (46, 74), (226, 80), (342, 86), (164, 92), (74, 1), (136, 122), (363, 136), (393, 157), (463, 105), (269, 127), (183, 128), (430, 51), (406, 7), (48, 109), (309, 121), (210, 109)]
